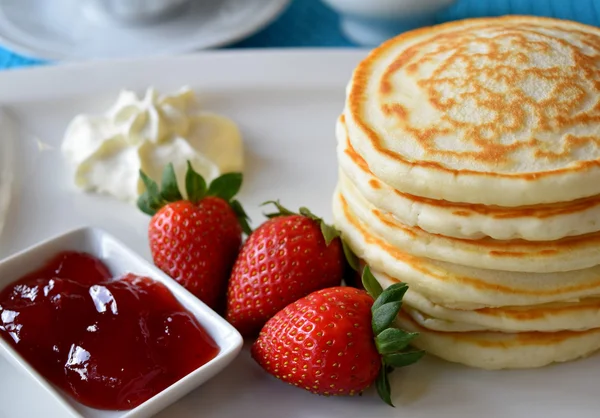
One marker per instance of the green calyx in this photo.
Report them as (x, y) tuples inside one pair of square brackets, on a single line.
[(392, 343), (329, 232), (224, 187)]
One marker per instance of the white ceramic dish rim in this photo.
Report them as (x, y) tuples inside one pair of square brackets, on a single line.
[(226, 336), (269, 14)]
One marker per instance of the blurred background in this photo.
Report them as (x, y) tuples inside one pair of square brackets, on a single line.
[(32, 34)]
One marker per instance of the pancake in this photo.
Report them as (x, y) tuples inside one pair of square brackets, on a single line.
[(556, 317), (463, 220), (497, 350), (495, 111), (461, 287), (549, 317), (570, 253)]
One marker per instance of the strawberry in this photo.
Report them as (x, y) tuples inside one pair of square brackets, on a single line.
[(286, 258), (195, 241), (337, 341)]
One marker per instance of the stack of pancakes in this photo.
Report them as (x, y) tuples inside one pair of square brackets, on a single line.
[(469, 168)]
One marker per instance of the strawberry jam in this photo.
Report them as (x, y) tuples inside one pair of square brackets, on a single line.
[(109, 343)]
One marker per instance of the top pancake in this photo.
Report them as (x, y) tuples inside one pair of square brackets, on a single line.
[(497, 111)]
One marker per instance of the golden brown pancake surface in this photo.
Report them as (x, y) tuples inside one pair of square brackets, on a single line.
[(498, 111), (543, 222)]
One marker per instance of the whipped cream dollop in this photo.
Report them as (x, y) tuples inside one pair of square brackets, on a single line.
[(107, 151)]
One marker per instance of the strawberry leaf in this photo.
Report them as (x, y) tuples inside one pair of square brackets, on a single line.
[(225, 186), (393, 340), (370, 283), (195, 185), (169, 188), (350, 256), (150, 201), (392, 343), (143, 203), (403, 359), (329, 232), (391, 293), (282, 210), (271, 215), (242, 217), (383, 386), (151, 186), (306, 212), (385, 315)]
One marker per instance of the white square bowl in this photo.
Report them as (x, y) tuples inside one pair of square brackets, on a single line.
[(120, 260)]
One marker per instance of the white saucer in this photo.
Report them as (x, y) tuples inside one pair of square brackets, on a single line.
[(64, 30)]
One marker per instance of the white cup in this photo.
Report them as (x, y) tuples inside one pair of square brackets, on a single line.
[(133, 11), (370, 22)]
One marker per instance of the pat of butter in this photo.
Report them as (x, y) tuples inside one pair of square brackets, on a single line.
[(107, 151)]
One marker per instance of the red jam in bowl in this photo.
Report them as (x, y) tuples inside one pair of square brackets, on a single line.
[(109, 343)]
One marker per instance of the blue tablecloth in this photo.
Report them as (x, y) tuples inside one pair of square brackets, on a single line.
[(309, 23)]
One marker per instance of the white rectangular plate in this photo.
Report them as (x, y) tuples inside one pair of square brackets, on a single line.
[(286, 104)]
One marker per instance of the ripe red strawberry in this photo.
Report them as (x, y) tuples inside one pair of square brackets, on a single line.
[(195, 241), (286, 258), (337, 341)]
